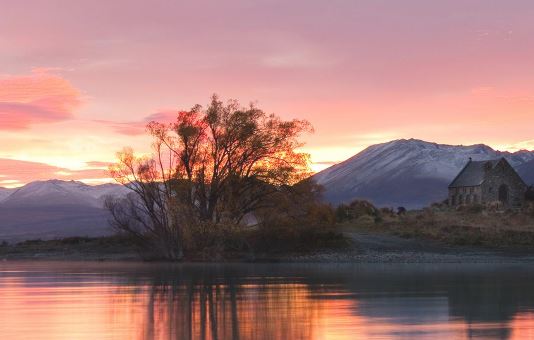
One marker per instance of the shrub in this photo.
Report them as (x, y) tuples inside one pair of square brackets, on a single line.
[(355, 210), (440, 206), (209, 241), (474, 208), (389, 212), (289, 236), (365, 220), (300, 224), (360, 208), (342, 213)]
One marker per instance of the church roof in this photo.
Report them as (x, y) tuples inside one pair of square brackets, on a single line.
[(474, 173)]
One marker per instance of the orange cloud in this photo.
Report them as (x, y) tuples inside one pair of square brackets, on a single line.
[(98, 164), (40, 97), (15, 172)]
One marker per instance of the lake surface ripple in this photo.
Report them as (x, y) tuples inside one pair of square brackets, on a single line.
[(77, 300)]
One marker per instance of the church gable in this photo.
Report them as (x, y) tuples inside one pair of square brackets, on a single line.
[(473, 174)]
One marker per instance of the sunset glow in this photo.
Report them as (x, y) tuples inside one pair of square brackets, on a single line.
[(286, 312), (82, 81)]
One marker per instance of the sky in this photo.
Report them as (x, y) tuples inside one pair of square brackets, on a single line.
[(80, 79)]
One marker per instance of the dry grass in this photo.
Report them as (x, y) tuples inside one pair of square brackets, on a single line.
[(469, 226), (71, 248)]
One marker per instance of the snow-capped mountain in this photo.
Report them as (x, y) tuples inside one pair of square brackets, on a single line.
[(526, 170), (55, 209), (4, 192), (410, 173), (57, 192)]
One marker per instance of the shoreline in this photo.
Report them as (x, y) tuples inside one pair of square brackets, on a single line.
[(365, 248), (319, 258)]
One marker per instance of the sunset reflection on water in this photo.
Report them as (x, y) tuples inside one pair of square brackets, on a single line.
[(140, 301)]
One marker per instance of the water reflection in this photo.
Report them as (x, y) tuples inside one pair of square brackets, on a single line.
[(149, 301)]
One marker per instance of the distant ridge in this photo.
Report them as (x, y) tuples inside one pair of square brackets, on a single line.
[(58, 192), (4, 193), (55, 209), (409, 172)]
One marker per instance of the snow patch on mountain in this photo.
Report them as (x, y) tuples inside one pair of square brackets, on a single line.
[(57, 192), (411, 173), (55, 209), (4, 193)]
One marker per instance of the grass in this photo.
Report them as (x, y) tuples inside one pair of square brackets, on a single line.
[(268, 242), (82, 248), (256, 244), (473, 226)]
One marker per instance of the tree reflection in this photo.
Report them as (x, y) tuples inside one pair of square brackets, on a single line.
[(205, 309), (206, 304), (155, 301)]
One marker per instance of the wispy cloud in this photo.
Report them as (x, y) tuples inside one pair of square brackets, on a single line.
[(98, 164), (133, 128), (524, 145), (16, 172)]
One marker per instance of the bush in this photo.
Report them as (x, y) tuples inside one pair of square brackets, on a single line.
[(389, 212), (360, 208), (366, 220), (355, 210), (342, 213), (288, 236), (209, 241), (296, 226), (474, 208)]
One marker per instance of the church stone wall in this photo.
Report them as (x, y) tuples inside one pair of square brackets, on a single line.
[(504, 174)]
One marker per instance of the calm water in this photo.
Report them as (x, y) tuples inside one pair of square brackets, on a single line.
[(149, 301)]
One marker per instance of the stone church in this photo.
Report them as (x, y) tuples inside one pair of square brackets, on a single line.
[(488, 181)]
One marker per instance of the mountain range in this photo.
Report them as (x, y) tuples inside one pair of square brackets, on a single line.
[(409, 172), (55, 209)]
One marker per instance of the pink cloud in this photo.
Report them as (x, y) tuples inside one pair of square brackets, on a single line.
[(451, 71), (37, 98), (130, 129), (20, 172), (139, 127)]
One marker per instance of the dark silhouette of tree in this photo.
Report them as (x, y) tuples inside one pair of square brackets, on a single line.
[(213, 166)]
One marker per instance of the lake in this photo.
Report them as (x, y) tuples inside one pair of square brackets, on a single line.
[(78, 300)]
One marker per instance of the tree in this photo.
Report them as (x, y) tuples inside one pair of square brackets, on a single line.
[(212, 166)]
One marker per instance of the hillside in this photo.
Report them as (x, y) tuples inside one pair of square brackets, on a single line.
[(55, 209), (410, 173)]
